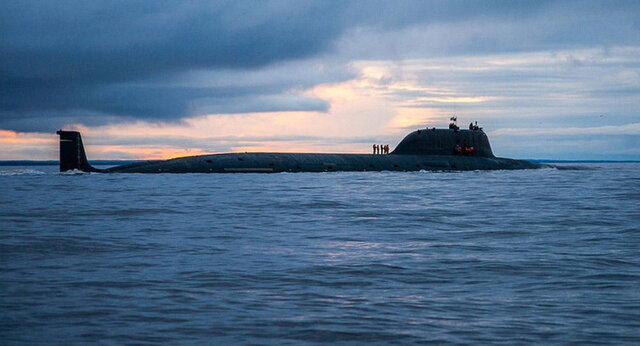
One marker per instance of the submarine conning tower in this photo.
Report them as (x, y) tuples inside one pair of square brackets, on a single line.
[(444, 142)]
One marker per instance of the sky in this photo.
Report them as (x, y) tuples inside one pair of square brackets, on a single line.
[(154, 79)]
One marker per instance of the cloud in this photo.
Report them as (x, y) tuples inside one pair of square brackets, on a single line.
[(626, 129), (281, 75), (123, 60), (106, 62)]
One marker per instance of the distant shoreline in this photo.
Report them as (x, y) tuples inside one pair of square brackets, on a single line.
[(582, 161), (122, 162)]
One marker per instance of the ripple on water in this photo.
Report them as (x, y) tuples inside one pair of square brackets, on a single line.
[(541, 256)]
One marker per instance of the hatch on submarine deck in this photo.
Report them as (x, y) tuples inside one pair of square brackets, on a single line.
[(424, 149)]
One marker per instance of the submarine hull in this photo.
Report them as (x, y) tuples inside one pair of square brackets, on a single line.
[(299, 162), (433, 150)]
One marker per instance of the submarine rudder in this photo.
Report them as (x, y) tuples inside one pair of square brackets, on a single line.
[(72, 153)]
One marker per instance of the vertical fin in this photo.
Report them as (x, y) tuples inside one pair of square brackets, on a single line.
[(72, 155)]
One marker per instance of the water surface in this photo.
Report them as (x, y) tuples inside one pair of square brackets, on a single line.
[(386, 257)]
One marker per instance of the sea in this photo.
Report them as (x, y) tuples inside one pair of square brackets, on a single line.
[(546, 256)]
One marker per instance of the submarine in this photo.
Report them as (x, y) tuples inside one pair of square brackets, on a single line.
[(427, 149)]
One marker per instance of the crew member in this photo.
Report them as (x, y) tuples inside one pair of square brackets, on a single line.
[(375, 149)]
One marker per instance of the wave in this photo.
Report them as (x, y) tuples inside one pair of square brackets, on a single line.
[(574, 168), (21, 172), (73, 172)]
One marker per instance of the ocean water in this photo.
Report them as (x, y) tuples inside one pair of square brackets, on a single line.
[(497, 257)]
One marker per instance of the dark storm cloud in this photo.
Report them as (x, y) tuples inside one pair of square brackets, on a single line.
[(91, 42), (145, 101), (97, 62), (117, 59)]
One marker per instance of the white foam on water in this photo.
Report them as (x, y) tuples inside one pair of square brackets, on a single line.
[(21, 172), (73, 172)]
